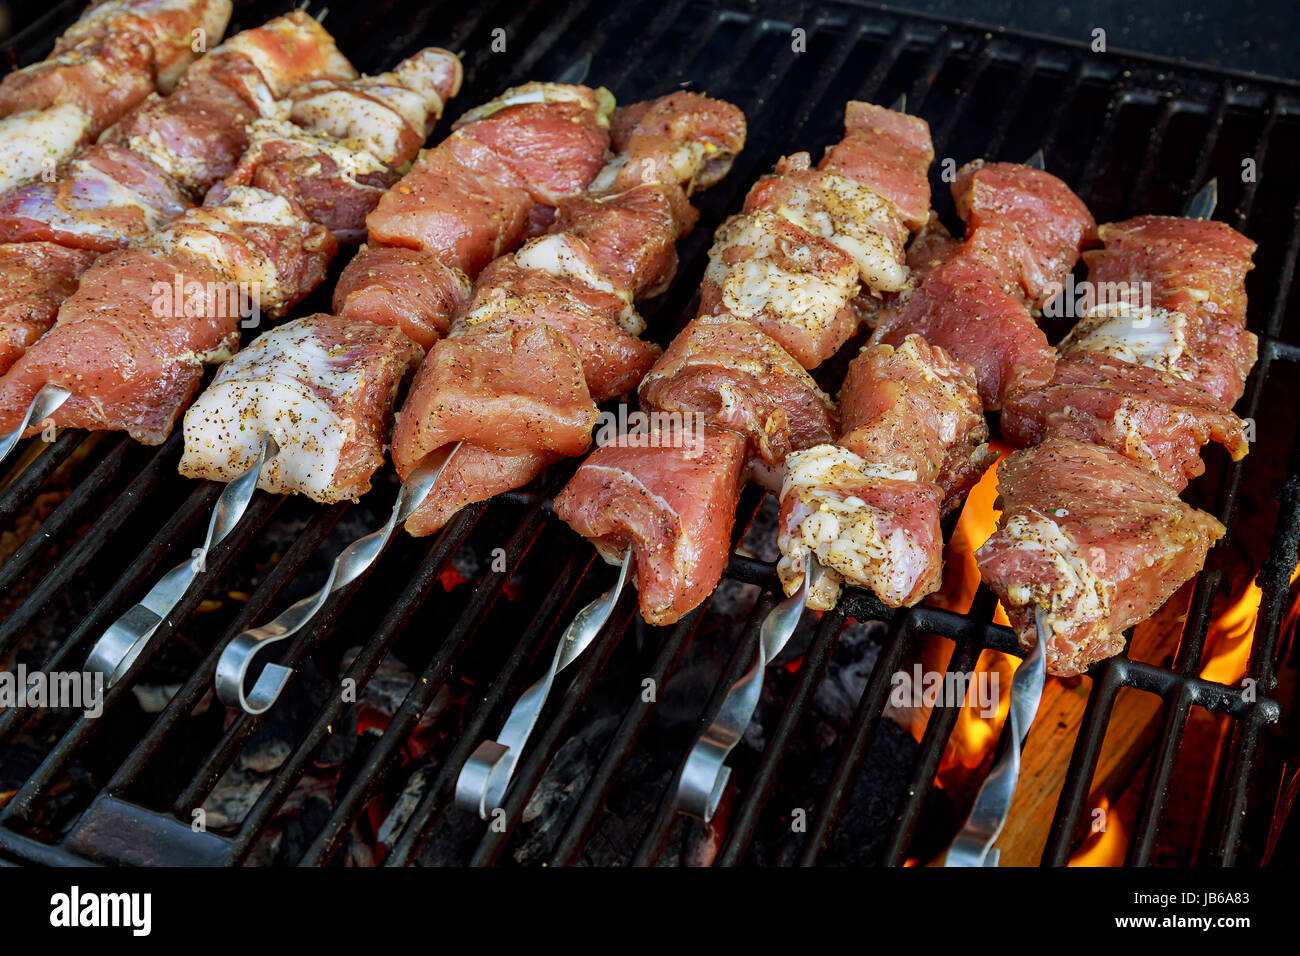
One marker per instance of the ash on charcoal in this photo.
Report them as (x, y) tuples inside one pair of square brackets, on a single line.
[(288, 721), (560, 788), (299, 831), (868, 813), (383, 693), (398, 817)]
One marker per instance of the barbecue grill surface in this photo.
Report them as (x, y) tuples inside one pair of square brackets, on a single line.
[(1128, 135)]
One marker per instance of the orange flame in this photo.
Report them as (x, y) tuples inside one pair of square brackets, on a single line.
[(978, 521), (1104, 847), (1228, 643), (974, 737)]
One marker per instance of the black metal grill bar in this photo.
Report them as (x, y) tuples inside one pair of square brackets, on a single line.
[(944, 47), (84, 729), (866, 719), (850, 35), (89, 545), (1083, 762), (557, 607), (1139, 184), (550, 734), (1285, 277), (300, 648), (979, 62), (884, 65), (1069, 98), (938, 729), (64, 516), (34, 41), (1247, 204), (1156, 789), (811, 669), (656, 836), (1274, 582), (29, 480), (1025, 76), (1210, 141), (139, 572), (1086, 185), (199, 683), (191, 512), (652, 29), (583, 821), (422, 693), (401, 614)]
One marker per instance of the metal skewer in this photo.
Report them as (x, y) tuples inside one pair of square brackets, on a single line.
[(115, 652), (236, 660), (705, 775), (47, 401), (973, 845), (486, 776)]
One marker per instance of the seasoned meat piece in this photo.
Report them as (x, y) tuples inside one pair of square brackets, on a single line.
[(1024, 224), (961, 307), (916, 409), (560, 285), (407, 288), (1148, 415), (737, 377), (1095, 540), (674, 503), (114, 56), (324, 390), (130, 343), (914, 440), (1195, 266), (38, 276)]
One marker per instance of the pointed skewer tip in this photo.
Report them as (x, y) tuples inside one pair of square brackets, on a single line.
[(1036, 161), (900, 105), (1202, 204), (576, 72)]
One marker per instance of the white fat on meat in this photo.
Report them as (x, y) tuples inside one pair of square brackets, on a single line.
[(848, 537), (1073, 592), (1140, 335), (542, 93), (280, 384), (568, 257), (373, 114), (36, 140), (209, 232), (685, 162), (350, 157), (845, 213), (759, 283)]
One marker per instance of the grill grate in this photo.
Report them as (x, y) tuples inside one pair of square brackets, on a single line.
[(1129, 135)]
